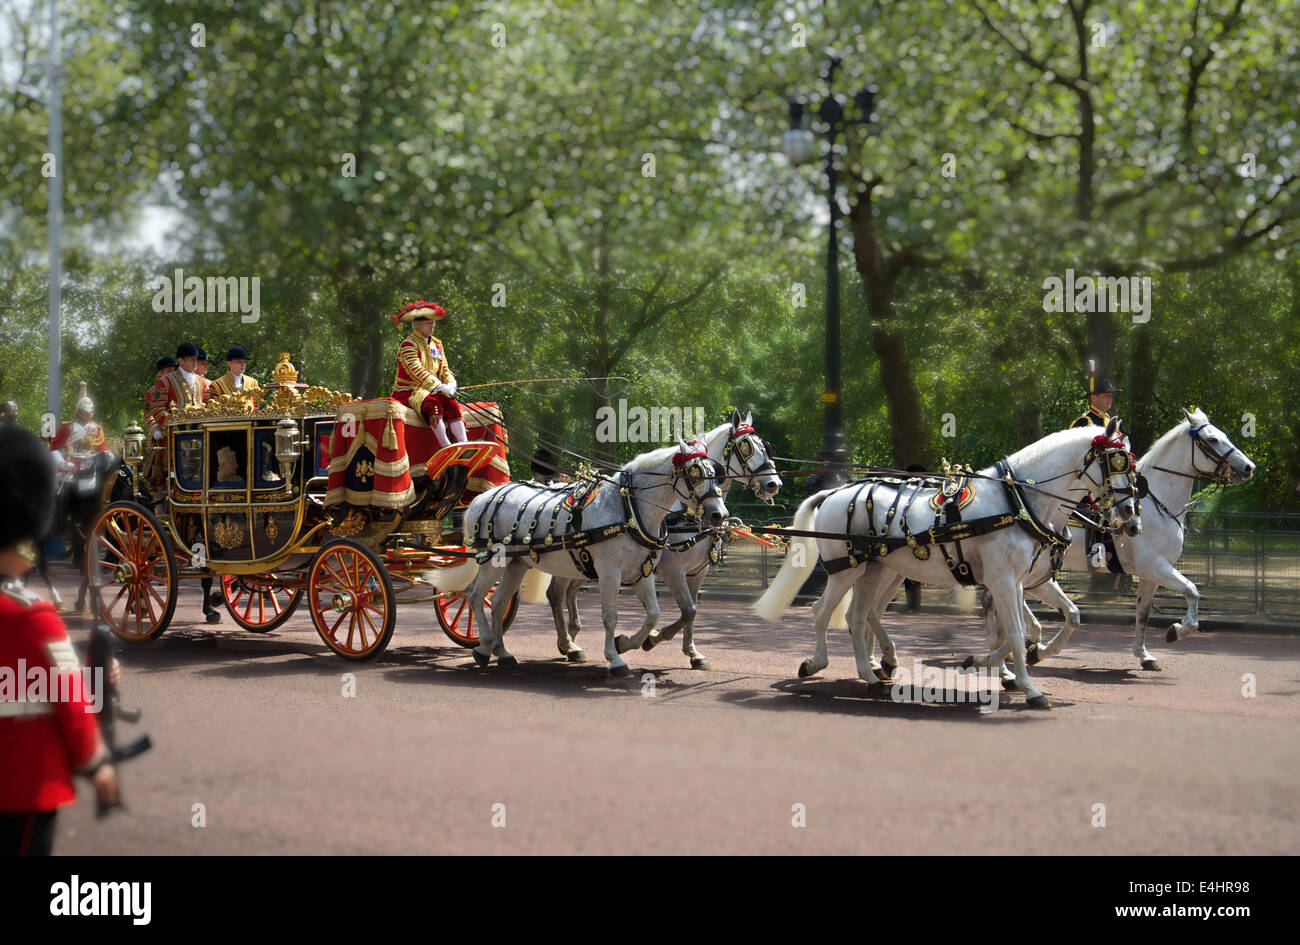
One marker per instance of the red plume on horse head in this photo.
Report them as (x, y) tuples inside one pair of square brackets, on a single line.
[(420, 309)]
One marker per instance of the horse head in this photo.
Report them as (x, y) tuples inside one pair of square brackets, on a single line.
[(747, 456), (1119, 500), (691, 462), (1211, 447)]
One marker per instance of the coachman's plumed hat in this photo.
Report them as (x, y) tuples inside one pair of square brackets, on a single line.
[(237, 353), (418, 310), (26, 487), (187, 349)]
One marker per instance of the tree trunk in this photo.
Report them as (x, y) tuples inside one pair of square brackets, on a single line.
[(909, 435), (1139, 407)]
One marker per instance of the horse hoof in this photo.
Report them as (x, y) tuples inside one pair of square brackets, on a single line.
[(650, 642), (1171, 636), (805, 670), (1010, 685), (508, 662), (699, 663), (213, 617), (1038, 702), (620, 672), (1152, 665), (577, 656), (622, 643), (968, 662), (481, 658), (1031, 654), (887, 669)]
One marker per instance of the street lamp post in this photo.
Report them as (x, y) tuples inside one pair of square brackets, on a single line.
[(798, 144)]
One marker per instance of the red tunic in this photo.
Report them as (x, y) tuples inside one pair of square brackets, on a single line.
[(43, 743), (421, 366), (92, 439)]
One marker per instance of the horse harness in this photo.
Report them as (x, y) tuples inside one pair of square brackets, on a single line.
[(574, 539), (950, 528)]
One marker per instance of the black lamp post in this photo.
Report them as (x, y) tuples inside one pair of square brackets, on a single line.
[(798, 144)]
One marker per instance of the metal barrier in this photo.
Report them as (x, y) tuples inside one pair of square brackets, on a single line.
[(1245, 565)]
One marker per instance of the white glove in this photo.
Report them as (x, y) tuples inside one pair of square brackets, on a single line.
[(451, 388), (157, 434), (442, 389)]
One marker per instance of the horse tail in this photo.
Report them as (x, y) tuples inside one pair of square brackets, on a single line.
[(800, 560)]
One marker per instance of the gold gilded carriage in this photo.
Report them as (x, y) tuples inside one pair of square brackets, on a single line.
[(269, 489)]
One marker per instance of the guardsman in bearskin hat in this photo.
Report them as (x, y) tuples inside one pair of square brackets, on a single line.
[(424, 381), (1101, 400), (235, 379), (82, 435), (43, 740)]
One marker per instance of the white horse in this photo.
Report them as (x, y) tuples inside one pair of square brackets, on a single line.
[(1194, 449), (741, 454), (1024, 490), (617, 536)]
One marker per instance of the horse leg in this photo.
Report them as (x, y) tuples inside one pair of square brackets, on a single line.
[(1052, 595), (609, 585), (885, 592), (571, 601), (994, 633), (1009, 599), (511, 580), (688, 629), (1170, 577), (650, 601), (837, 585), (557, 592), (1146, 596), (864, 599), (488, 574)]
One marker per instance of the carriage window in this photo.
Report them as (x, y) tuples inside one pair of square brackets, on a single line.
[(228, 462), (268, 475), (322, 453), (189, 460)]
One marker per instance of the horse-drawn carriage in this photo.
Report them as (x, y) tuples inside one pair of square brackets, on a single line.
[(289, 493)]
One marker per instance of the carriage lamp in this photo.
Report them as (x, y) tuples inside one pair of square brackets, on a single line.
[(286, 448), (133, 445)]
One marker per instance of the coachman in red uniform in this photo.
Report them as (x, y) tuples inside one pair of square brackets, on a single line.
[(45, 738), (424, 380)]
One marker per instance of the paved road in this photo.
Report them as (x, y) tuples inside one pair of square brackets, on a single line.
[(258, 731)]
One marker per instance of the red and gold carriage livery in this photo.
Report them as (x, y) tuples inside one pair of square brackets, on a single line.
[(291, 492)]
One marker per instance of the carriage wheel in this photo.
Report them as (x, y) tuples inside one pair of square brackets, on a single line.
[(131, 572), (351, 599), (257, 603), (457, 617)]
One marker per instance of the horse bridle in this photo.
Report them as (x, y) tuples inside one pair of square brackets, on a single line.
[(697, 468), (1222, 468), (1115, 460), (740, 443)]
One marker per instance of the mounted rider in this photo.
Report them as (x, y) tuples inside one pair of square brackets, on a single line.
[(235, 379), (424, 381), (78, 438), (1101, 400)]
